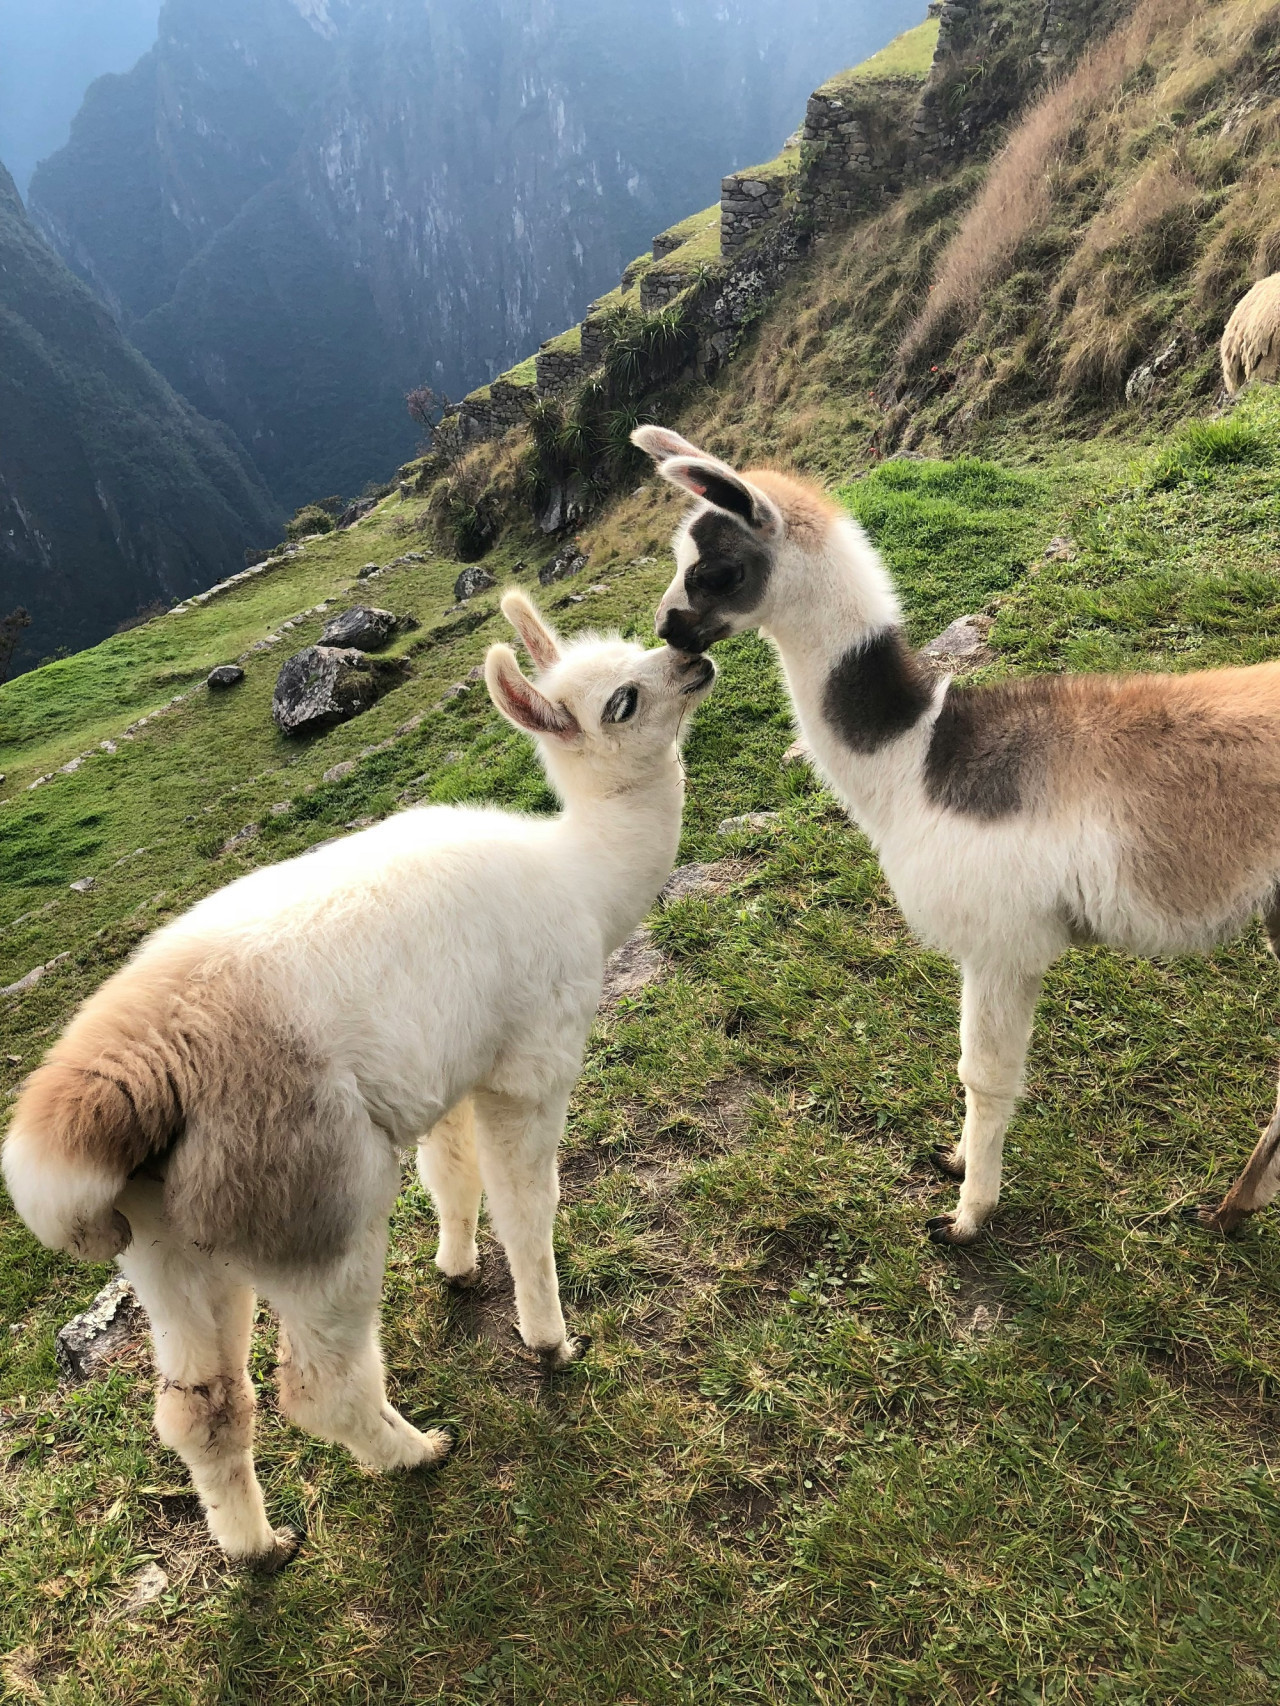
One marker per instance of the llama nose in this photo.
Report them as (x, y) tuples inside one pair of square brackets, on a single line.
[(680, 632)]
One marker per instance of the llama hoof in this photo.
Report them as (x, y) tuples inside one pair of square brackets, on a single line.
[(462, 1282), (1210, 1219), (945, 1161), (441, 1438), (573, 1349), (945, 1229), (288, 1543)]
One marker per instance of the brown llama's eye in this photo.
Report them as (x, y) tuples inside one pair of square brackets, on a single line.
[(718, 578), (622, 705)]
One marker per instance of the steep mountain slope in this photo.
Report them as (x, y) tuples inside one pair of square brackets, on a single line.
[(113, 492), (810, 1458), (299, 211)]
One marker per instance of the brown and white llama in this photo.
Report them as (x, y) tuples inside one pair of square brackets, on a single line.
[(1011, 820)]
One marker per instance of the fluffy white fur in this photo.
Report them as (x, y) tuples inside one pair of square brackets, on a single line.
[(442, 969)]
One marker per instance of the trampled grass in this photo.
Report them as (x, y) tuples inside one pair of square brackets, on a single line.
[(810, 1458)]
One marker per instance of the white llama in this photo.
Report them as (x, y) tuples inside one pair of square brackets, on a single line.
[(225, 1115), (1011, 820)]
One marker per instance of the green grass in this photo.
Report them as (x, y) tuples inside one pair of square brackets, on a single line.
[(784, 165), (695, 225), (907, 55), (523, 373), (566, 343), (810, 1458)]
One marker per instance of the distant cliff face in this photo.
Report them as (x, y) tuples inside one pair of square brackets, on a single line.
[(300, 208), (113, 492)]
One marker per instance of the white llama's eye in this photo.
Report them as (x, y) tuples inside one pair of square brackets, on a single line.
[(622, 705)]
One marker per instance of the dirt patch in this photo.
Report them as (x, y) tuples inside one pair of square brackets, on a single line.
[(485, 1313)]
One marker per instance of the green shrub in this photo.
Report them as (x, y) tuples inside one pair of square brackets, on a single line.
[(311, 518), (1204, 445)]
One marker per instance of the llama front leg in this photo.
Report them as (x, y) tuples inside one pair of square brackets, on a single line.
[(997, 1008), (448, 1169), (517, 1142)]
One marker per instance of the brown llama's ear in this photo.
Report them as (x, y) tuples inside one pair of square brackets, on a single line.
[(520, 701), (539, 640), (661, 442), (719, 485)]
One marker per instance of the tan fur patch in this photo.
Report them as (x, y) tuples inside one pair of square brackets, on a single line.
[(184, 1065), (1190, 768), (806, 508), (1250, 346)]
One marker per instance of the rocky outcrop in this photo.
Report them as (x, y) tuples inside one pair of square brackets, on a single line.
[(223, 676), (365, 627), (748, 202), (562, 567), (470, 582), (323, 685)]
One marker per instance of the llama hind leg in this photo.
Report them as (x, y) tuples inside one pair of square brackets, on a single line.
[(330, 1374), (1254, 1189), (200, 1326), (448, 1169)]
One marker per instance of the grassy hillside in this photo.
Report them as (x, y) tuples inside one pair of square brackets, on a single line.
[(811, 1458)]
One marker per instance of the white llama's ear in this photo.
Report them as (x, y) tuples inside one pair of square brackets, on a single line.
[(719, 485), (661, 442), (519, 700), (539, 640)]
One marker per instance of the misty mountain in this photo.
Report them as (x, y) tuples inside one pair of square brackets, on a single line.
[(113, 492), (300, 208)]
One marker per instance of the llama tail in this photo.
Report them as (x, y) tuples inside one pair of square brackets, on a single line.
[(85, 1120)]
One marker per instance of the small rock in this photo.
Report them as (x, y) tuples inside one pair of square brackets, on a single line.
[(70, 768), (336, 772), (412, 723), (34, 975), (1060, 549), (82, 885), (797, 753), (568, 562), (365, 627), (471, 581), (630, 968), (106, 745), (476, 672), (966, 637), (281, 807), (225, 675), (711, 878), (747, 821), (111, 1321), (598, 587), (367, 570), (519, 568), (147, 1585), (248, 833)]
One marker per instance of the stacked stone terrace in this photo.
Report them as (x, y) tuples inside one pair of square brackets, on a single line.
[(864, 134)]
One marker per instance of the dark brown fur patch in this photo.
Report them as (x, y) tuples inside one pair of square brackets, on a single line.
[(991, 746), (876, 692)]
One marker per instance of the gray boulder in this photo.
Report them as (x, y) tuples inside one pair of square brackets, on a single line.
[(471, 581), (323, 685), (366, 627), (225, 675), (568, 562), (112, 1320)]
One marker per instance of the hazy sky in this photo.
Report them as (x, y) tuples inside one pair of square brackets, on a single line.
[(50, 51)]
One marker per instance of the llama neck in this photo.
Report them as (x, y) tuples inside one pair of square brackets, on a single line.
[(624, 845), (863, 701)]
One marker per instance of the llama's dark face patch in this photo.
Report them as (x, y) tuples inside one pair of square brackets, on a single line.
[(720, 590)]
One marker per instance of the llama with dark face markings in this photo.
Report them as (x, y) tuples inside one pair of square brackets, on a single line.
[(1011, 820), (226, 1114)]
